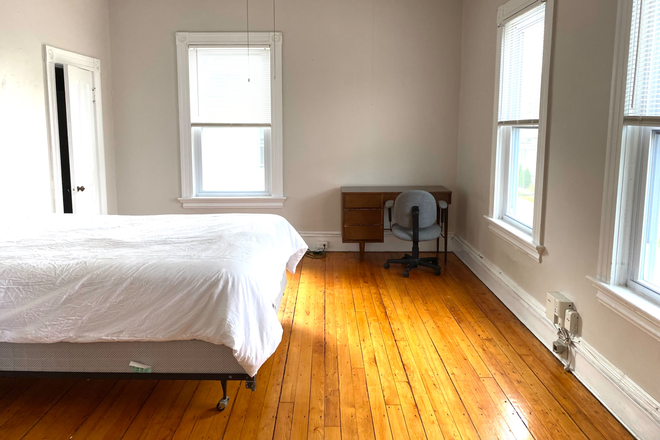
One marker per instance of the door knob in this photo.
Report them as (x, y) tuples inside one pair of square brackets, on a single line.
[(80, 188)]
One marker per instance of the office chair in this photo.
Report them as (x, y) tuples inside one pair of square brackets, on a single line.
[(414, 219)]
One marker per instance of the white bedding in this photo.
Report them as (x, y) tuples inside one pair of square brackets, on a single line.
[(216, 278)]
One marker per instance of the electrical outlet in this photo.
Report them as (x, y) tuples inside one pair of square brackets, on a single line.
[(322, 245)]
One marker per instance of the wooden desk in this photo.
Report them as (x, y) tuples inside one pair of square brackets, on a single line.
[(363, 207)]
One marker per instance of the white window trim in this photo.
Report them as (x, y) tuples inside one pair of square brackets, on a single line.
[(53, 56), (188, 198), (531, 244), (617, 217)]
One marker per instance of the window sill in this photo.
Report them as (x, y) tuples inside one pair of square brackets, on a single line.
[(516, 237), (232, 202), (641, 311)]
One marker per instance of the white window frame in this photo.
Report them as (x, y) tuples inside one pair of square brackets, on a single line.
[(529, 241), (53, 56), (623, 199), (275, 175)]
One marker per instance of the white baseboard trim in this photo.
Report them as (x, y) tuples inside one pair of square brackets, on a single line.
[(626, 400), (391, 243)]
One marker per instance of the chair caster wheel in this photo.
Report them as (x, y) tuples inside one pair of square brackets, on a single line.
[(222, 404), (386, 265), (437, 272), (406, 274)]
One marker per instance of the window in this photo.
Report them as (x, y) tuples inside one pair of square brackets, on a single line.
[(524, 49), (641, 148), (628, 279), (230, 111)]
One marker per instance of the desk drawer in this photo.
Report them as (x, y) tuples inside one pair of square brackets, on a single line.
[(363, 233), (363, 201), (363, 217)]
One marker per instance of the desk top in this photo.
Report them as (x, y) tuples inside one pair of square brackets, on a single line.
[(391, 189)]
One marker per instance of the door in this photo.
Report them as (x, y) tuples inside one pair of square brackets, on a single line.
[(83, 152)]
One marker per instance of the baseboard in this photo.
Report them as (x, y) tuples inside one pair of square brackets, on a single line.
[(391, 243), (626, 400)]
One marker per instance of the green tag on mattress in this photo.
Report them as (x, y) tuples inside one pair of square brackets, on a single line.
[(137, 367)]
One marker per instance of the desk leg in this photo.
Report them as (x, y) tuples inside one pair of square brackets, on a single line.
[(437, 241), (446, 230), (362, 251)]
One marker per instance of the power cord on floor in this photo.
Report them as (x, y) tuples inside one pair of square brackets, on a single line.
[(316, 255)]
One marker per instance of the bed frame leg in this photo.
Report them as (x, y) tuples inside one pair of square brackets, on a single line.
[(251, 383), (222, 404)]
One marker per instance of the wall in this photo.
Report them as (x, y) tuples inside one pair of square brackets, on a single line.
[(80, 26), (578, 120), (370, 91)]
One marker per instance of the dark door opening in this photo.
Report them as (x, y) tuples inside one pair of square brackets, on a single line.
[(64, 139)]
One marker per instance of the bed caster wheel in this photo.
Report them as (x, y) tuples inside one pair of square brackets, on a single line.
[(222, 404), (406, 274), (437, 272), (386, 265)]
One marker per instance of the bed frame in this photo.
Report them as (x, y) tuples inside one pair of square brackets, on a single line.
[(173, 360)]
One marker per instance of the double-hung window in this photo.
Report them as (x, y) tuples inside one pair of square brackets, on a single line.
[(628, 277), (640, 187), (230, 111), (519, 138)]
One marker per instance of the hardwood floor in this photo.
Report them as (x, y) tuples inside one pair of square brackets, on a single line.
[(366, 354)]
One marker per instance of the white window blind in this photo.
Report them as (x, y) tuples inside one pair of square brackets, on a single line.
[(643, 82), (521, 66), (230, 86)]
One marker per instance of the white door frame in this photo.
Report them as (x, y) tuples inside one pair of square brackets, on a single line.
[(54, 56)]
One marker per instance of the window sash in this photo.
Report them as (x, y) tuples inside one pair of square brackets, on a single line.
[(509, 191), (638, 144), (642, 97), (198, 163), (243, 89), (521, 64)]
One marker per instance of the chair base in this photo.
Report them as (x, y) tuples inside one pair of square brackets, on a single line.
[(430, 262)]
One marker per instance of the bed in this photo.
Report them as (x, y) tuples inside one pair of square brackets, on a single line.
[(185, 296)]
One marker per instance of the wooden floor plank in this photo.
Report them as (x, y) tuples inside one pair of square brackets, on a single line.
[(365, 354), (273, 394), (71, 410), (18, 418), (284, 421), (331, 414)]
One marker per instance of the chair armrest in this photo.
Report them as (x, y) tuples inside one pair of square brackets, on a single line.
[(443, 209)]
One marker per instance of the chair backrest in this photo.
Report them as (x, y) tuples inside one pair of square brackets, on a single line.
[(402, 212)]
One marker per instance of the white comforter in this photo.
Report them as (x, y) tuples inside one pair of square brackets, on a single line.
[(68, 278)]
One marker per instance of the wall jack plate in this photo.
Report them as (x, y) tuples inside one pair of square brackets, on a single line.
[(321, 245), (559, 347)]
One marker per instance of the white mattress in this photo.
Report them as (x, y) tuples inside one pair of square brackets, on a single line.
[(214, 278)]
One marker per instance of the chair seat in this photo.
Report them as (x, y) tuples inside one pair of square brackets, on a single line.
[(425, 234)]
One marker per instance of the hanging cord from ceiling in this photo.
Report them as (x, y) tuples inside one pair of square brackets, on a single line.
[(247, 32), (274, 41)]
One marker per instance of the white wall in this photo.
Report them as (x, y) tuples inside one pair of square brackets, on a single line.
[(80, 26), (346, 121), (578, 117)]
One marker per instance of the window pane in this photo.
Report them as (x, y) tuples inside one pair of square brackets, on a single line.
[(232, 159), (521, 66), (522, 175), (230, 85), (649, 263)]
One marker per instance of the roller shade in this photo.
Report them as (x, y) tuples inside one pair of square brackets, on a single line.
[(521, 66), (219, 88)]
